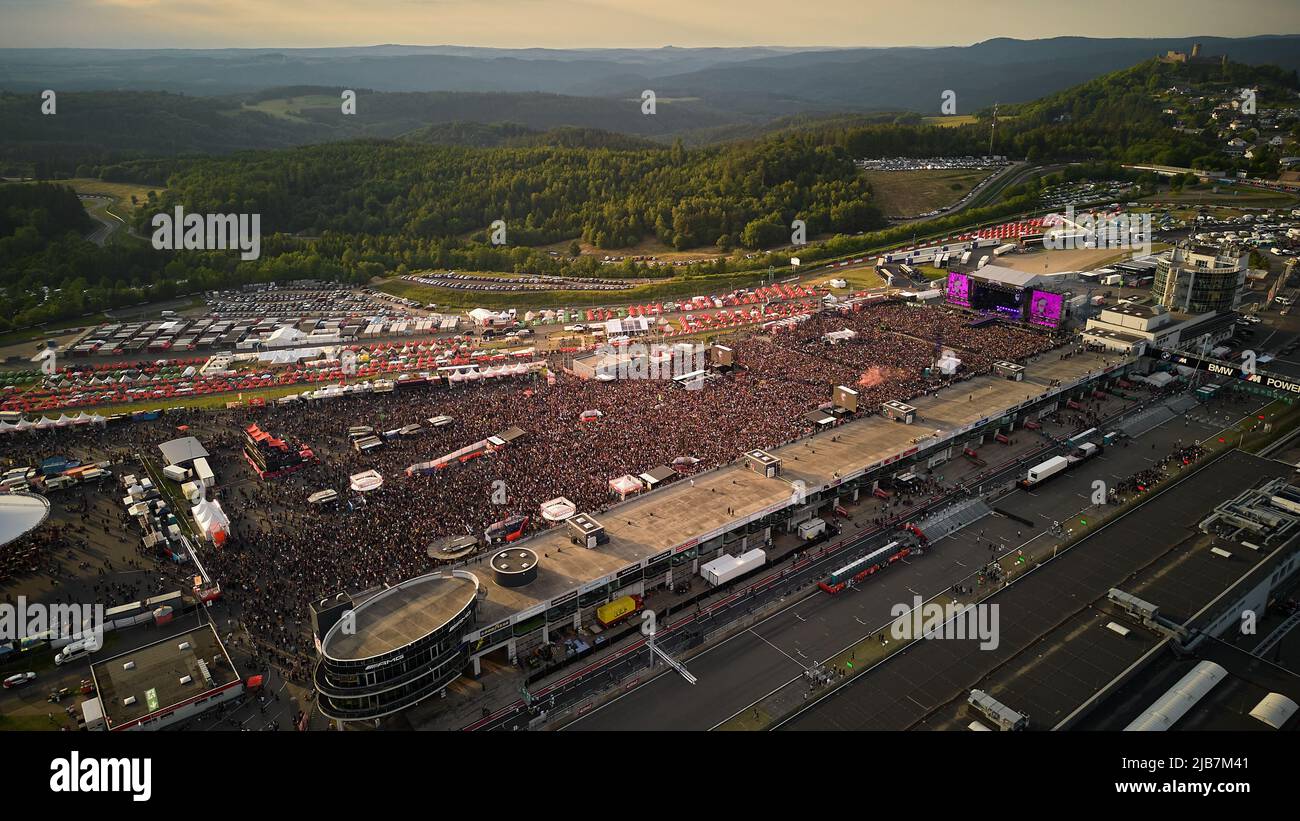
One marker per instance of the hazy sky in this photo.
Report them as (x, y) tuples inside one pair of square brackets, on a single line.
[(615, 23)]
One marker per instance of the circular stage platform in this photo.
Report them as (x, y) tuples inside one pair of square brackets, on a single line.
[(21, 513)]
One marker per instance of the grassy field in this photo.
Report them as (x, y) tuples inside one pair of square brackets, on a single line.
[(120, 192), (1225, 195), (209, 402), (858, 279), (954, 120), (452, 299), (290, 108), (930, 272), (951, 121), (908, 193)]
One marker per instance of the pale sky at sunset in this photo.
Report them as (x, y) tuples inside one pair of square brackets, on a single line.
[(617, 23)]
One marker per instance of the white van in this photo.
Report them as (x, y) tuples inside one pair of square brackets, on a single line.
[(15, 483), (59, 482), (76, 650)]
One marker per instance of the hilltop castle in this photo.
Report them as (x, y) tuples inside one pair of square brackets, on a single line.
[(1195, 57)]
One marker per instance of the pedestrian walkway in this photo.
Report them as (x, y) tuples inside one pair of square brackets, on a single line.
[(1146, 420), (954, 518)]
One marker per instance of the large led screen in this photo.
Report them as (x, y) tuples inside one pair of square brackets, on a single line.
[(959, 286), (1045, 309)]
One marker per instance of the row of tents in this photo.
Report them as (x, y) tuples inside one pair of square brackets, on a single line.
[(46, 423)]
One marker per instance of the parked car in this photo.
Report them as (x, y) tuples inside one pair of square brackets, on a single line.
[(19, 679)]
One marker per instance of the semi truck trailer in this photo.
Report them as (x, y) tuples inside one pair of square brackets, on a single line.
[(1057, 465)]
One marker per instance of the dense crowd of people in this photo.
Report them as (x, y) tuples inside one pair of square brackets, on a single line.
[(286, 553), (1147, 478)]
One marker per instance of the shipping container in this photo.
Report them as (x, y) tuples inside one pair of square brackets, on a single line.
[(726, 568), (618, 610), (203, 472)]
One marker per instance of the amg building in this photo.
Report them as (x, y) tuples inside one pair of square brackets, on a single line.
[(396, 648)]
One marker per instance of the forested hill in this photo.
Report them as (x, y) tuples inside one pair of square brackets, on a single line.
[(94, 132), (513, 135), (362, 208), (1119, 116), (33, 215), (740, 194)]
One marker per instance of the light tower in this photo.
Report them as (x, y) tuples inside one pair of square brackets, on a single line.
[(993, 127)]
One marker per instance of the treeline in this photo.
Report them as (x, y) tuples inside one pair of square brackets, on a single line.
[(38, 213), (1114, 118), (94, 131), (48, 272), (741, 195)]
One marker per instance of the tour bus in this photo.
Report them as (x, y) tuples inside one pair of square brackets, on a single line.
[(506, 530), (323, 497)]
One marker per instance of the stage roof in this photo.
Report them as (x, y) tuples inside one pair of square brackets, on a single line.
[(20, 513), (182, 450), (1007, 276)]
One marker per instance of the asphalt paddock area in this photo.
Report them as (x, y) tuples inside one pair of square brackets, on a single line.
[(1049, 658), (738, 672)]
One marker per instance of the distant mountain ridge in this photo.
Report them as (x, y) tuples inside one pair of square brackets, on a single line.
[(767, 81), (583, 96)]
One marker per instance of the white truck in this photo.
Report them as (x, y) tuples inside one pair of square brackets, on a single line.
[(811, 529), (725, 568), (203, 472), (1057, 465), (1045, 470)]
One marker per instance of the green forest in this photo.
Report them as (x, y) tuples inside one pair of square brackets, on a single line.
[(356, 209)]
